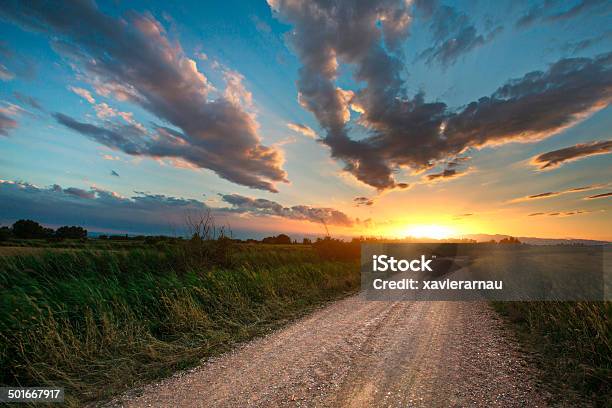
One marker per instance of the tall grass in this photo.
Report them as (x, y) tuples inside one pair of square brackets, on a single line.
[(574, 340), (98, 322)]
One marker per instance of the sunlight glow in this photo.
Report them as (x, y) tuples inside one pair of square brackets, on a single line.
[(430, 231)]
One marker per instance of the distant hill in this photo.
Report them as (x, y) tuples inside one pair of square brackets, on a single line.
[(537, 241)]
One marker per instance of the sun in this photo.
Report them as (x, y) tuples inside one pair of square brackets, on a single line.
[(430, 231)]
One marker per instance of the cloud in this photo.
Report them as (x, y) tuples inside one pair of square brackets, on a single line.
[(235, 91), (8, 113), (5, 74), (132, 59), (7, 123), (104, 111), (556, 158), (577, 46), (363, 201), (303, 129), (14, 64), (263, 207), (28, 100), (461, 216), (77, 192), (83, 93), (543, 12), (550, 194), (453, 169), (445, 174), (560, 213), (114, 173), (143, 212), (454, 35), (597, 196), (411, 132), (261, 25), (94, 208)]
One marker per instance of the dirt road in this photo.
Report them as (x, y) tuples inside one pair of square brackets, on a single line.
[(359, 353)]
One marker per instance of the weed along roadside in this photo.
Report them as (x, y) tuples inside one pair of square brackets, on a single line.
[(122, 318)]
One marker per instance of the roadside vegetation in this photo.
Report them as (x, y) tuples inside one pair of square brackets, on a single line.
[(99, 321), (573, 343)]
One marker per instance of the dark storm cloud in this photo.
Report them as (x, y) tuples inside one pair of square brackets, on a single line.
[(132, 58), (596, 196), (556, 158), (547, 11), (411, 132), (263, 207), (454, 35)]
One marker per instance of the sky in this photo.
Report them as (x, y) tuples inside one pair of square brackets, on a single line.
[(381, 118)]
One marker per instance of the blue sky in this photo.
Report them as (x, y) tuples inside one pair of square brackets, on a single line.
[(260, 55)]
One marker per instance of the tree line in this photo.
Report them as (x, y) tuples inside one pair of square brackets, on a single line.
[(29, 229)]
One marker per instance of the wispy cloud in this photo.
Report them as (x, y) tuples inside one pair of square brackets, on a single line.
[(363, 201), (547, 11), (560, 213), (597, 196), (444, 175), (8, 117), (550, 194), (462, 216), (556, 158), (303, 129), (577, 46), (28, 100), (454, 35)]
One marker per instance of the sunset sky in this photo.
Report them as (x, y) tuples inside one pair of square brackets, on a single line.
[(384, 117)]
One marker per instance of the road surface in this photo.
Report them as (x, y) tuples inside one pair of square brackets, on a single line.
[(359, 353)]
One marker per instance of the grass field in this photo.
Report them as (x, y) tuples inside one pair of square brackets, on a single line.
[(573, 343), (98, 322)]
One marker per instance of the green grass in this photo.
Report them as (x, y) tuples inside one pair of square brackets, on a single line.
[(99, 322), (573, 341)]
